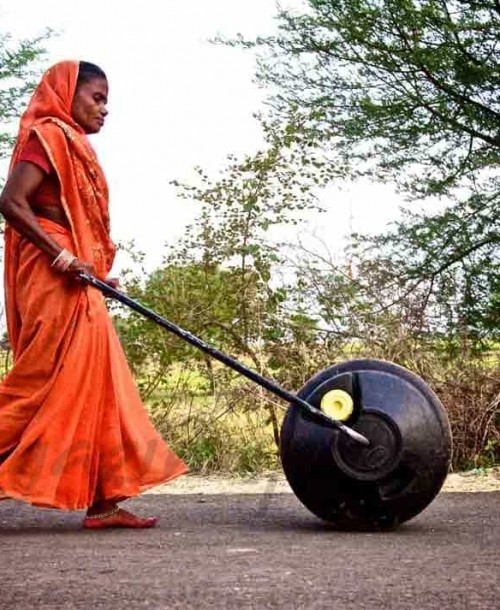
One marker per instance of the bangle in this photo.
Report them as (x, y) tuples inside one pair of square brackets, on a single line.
[(63, 260)]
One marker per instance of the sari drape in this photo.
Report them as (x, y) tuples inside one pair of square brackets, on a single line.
[(73, 428)]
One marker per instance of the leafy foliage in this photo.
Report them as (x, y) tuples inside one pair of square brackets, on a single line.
[(397, 84), (406, 90), (19, 70), (217, 280)]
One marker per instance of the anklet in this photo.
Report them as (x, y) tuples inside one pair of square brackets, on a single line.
[(104, 515)]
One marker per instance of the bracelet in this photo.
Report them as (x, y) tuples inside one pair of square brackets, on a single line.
[(63, 260)]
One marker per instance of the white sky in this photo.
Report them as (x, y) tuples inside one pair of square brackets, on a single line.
[(176, 101)]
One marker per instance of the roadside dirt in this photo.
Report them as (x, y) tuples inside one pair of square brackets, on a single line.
[(275, 482)]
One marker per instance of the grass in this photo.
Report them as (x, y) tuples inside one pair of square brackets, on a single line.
[(228, 428)]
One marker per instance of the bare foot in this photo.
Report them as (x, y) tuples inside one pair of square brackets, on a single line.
[(118, 518)]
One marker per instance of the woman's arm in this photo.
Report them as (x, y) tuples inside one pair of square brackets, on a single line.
[(14, 206)]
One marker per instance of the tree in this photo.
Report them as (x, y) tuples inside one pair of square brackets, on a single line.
[(217, 281), (401, 85), (407, 91), (19, 69), (238, 212)]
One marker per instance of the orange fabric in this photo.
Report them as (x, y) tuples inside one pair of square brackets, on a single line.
[(73, 428), (47, 194), (34, 152)]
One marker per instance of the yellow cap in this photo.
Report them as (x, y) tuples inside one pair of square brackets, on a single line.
[(337, 404)]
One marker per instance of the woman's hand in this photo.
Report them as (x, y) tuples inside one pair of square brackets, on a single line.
[(113, 282), (78, 266)]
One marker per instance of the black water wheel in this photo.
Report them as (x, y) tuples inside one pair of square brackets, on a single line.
[(384, 484)]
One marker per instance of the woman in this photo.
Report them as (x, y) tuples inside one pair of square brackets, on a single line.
[(73, 431)]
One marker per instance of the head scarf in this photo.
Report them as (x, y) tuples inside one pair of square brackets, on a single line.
[(52, 98), (84, 191)]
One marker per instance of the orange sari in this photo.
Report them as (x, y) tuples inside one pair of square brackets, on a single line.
[(73, 429)]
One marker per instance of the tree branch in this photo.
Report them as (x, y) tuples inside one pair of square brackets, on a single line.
[(461, 255), (445, 88)]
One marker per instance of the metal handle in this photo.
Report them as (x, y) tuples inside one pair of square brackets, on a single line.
[(227, 360)]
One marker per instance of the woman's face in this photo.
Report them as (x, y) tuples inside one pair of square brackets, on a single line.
[(89, 104)]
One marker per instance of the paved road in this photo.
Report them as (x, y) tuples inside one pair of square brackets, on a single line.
[(252, 551)]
